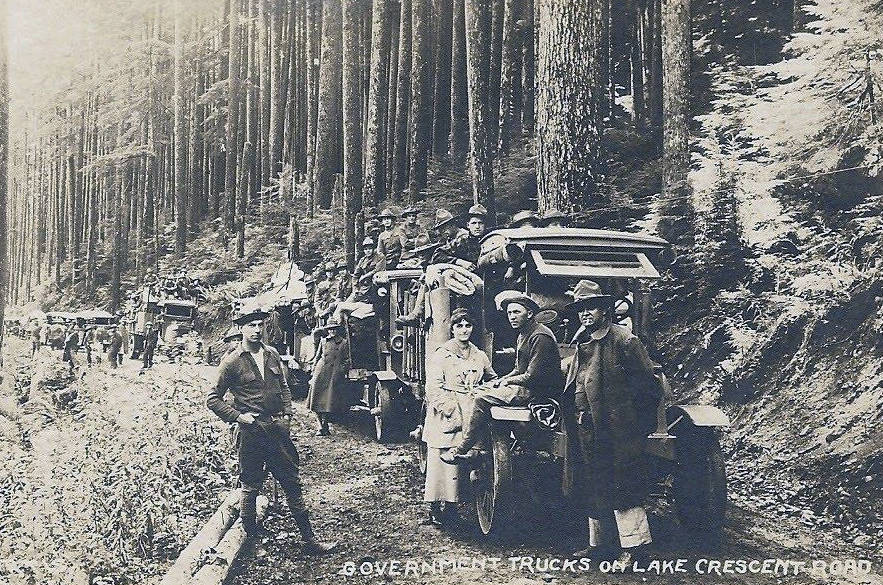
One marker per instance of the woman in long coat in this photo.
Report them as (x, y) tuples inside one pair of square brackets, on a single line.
[(330, 392), (455, 370)]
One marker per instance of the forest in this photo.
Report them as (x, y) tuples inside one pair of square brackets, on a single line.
[(221, 137), (236, 113)]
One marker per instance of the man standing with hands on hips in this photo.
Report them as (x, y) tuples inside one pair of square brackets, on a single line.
[(253, 374)]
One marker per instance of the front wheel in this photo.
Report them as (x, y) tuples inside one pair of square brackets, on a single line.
[(493, 486), (700, 484)]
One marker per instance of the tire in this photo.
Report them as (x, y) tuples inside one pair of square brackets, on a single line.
[(700, 485), (385, 423), (493, 491)]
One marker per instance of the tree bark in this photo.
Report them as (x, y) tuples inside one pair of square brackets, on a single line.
[(495, 68), (180, 139), (375, 143), (328, 131), (529, 65), (352, 127), (674, 223), (510, 83), (313, 35), (441, 123), (232, 121), (421, 96), (637, 68), (478, 56), (459, 139), (400, 147), (568, 128)]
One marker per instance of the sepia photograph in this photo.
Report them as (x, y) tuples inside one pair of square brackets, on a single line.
[(455, 292)]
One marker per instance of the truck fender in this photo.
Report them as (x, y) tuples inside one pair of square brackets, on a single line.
[(386, 375), (699, 415)]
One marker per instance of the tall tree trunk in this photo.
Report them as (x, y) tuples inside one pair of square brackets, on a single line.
[(568, 129), (459, 139), (117, 249), (493, 95), (637, 68), (352, 127), (510, 83), (375, 143), (232, 121), (529, 66), (675, 215), (328, 131), (314, 20), (392, 92), (400, 146), (421, 96), (180, 138), (656, 75), (478, 57), (276, 94), (441, 123)]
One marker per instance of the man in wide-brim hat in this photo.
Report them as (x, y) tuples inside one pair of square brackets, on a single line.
[(415, 234), (254, 374), (610, 399), (537, 372), (524, 218), (555, 218), (391, 241)]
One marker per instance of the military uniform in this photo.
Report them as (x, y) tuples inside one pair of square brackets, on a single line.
[(260, 390), (414, 236)]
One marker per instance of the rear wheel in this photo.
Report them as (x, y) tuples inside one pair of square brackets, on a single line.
[(385, 424), (493, 486), (700, 484)]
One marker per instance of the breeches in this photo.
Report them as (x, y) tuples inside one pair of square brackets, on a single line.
[(265, 446)]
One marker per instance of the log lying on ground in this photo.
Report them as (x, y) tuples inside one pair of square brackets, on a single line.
[(207, 537), (215, 572)]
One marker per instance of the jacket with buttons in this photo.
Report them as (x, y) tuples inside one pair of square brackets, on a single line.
[(239, 374)]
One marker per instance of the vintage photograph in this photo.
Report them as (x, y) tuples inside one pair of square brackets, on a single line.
[(441, 292)]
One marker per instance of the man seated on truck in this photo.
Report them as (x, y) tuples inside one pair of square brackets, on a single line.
[(537, 373)]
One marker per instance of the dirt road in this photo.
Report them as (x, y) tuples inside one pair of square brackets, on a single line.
[(368, 497)]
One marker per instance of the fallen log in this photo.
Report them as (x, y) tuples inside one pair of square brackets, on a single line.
[(215, 571), (207, 538)]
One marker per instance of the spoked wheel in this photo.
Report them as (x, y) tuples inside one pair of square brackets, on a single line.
[(700, 484), (493, 486), (384, 408)]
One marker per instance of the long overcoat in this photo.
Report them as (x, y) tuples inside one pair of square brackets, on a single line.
[(610, 381), (330, 391)]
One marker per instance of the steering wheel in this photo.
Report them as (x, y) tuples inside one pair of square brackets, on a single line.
[(622, 310)]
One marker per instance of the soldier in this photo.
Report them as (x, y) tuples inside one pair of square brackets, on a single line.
[(391, 240), (447, 230), (367, 264), (342, 280), (253, 373), (464, 248), (524, 218), (151, 338), (415, 235), (555, 218)]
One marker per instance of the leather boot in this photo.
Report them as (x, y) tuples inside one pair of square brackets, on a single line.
[(311, 546), (248, 511)]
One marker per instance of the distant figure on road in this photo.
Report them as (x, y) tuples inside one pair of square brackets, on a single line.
[(151, 338), (71, 345), (254, 374), (36, 336), (113, 349)]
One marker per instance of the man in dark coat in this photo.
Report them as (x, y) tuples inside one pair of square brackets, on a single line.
[(537, 372), (610, 400), (113, 349), (254, 374)]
